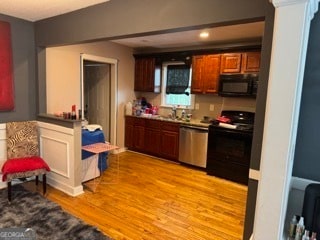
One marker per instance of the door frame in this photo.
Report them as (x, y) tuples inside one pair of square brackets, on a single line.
[(113, 90)]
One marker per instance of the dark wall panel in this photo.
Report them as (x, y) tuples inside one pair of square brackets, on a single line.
[(259, 120), (263, 86), (307, 155), (23, 53), (132, 17)]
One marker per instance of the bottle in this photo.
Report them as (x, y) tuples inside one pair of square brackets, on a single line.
[(306, 235), (183, 114), (299, 229), (292, 227), (79, 114), (73, 112), (174, 112), (313, 236)]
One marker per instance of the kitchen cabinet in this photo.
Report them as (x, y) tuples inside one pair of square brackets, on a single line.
[(138, 133), (169, 147), (147, 75), (128, 137), (231, 63), (134, 133), (205, 73), (251, 62), (154, 137), (242, 62)]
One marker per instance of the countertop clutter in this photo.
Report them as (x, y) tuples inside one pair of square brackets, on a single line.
[(141, 108), (192, 122), (149, 132)]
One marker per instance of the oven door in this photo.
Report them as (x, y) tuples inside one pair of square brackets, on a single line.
[(228, 154)]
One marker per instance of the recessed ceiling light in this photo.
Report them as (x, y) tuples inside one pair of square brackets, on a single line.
[(204, 34)]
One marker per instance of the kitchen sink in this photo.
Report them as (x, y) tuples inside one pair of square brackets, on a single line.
[(170, 119)]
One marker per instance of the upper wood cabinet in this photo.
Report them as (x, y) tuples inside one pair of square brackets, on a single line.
[(251, 62), (231, 63), (205, 73), (244, 62), (147, 75)]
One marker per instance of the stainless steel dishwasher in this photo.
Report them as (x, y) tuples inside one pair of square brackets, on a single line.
[(193, 142)]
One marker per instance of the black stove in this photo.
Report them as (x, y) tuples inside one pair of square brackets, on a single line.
[(229, 146), (238, 120), (244, 127)]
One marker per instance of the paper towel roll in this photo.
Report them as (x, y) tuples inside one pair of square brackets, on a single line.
[(226, 125), (129, 108)]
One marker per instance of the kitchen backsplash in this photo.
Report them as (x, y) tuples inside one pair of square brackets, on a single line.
[(209, 105)]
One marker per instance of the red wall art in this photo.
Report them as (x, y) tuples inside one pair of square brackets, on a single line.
[(6, 68)]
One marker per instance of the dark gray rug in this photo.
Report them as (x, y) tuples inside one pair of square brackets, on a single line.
[(46, 218)]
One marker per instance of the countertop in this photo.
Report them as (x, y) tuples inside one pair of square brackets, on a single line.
[(193, 122), (50, 118)]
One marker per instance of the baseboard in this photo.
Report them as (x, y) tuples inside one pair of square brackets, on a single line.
[(301, 183), (72, 191), (120, 150)]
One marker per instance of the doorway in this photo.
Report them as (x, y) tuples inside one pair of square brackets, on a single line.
[(99, 93)]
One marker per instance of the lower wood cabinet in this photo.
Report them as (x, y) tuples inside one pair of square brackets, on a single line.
[(170, 145), (154, 137), (134, 133), (128, 129), (138, 137), (170, 140)]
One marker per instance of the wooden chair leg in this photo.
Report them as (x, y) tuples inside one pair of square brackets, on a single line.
[(37, 180), (9, 191), (44, 182)]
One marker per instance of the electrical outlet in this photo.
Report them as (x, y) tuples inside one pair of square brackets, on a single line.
[(197, 106), (211, 108)]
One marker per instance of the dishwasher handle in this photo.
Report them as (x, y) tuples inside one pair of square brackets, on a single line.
[(196, 128)]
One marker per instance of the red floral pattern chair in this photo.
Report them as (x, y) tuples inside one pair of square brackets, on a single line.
[(23, 159)]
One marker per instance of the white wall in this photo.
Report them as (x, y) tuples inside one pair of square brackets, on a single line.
[(63, 77)]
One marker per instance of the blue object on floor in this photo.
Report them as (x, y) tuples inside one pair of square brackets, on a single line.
[(90, 138)]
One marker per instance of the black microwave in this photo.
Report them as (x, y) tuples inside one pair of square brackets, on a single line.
[(238, 85)]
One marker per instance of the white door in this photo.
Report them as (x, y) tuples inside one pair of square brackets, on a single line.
[(97, 95), (103, 97)]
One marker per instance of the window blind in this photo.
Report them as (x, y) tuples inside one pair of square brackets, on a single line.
[(177, 79)]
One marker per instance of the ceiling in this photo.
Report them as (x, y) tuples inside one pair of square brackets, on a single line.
[(224, 34), (34, 10)]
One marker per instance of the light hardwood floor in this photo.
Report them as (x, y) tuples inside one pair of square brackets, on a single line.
[(151, 199)]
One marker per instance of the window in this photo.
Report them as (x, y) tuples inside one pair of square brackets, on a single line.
[(176, 85)]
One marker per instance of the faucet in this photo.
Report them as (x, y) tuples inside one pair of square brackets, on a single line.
[(174, 112)]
